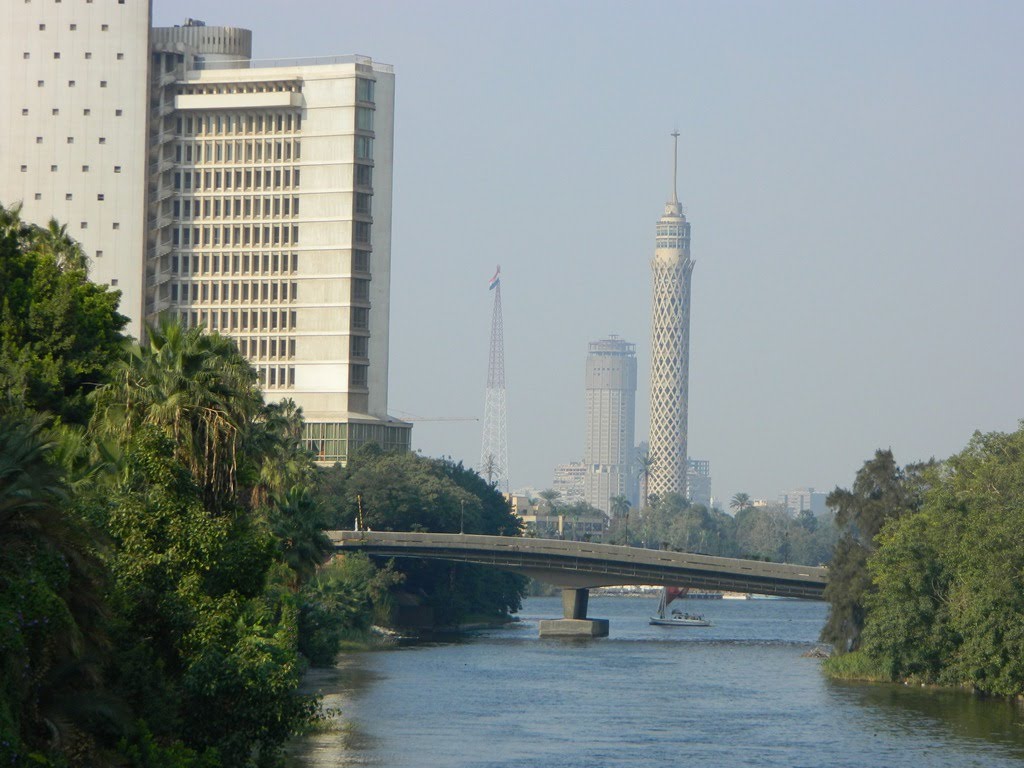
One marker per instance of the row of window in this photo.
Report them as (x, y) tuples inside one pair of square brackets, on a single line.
[(216, 180), (86, 112), (236, 123), (235, 291), (71, 83), (276, 376), (239, 207), (245, 320), (263, 348), (266, 235), (71, 140), (235, 263), (278, 86), (238, 151), (88, 54)]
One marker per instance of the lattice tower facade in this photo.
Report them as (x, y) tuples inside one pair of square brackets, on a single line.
[(494, 450), (672, 270)]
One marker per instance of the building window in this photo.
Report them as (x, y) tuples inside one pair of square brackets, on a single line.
[(86, 111), (364, 119), (53, 169), (120, 56), (364, 89), (357, 375), (364, 147), (104, 27), (84, 225), (71, 83), (73, 27), (24, 111), (88, 54), (85, 169), (99, 196), (56, 54), (117, 169), (67, 196), (40, 83), (71, 139), (103, 83), (55, 111), (39, 139), (118, 112), (25, 55), (117, 225), (24, 168), (114, 281), (103, 139)]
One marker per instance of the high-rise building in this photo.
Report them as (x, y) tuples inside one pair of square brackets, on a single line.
[(670, 345), (73, 113), (698, 481), (568, 481), (610, 417), (257, 194), (801, 499)]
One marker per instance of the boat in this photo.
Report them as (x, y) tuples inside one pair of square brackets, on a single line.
[(676, 618)]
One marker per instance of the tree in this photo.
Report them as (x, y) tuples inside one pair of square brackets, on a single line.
[(740, 502), (195, 388), (881, 491), (645, 465), (550, 496), (59, 333)]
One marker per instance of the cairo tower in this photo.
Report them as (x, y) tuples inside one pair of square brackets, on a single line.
[(670, 346)]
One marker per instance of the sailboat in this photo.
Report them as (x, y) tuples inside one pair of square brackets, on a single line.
[(677, 618)]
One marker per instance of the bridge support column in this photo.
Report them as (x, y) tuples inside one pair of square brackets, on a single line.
[(575, 623)]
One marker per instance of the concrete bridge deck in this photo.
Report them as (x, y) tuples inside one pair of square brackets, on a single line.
[(576, 566)]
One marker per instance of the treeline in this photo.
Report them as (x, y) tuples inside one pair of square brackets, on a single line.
[(926, 582), (162, 578), (670, 522)]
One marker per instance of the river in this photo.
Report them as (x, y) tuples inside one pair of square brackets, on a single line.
[(737, 693)]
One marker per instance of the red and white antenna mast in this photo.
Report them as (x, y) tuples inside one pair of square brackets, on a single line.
[(494, 451)]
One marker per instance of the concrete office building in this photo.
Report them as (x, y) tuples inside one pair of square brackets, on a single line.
[(670, 346), (73, 113), (698, 481), (801, 499), (253, 198), (568, 481), (610, 422)]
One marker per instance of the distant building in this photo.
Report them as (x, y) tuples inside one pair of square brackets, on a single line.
[(698, 481), (568, 481), (672, 270), (796, 501), (610, 422)]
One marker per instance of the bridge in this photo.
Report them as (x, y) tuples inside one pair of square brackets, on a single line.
[(576, 566)]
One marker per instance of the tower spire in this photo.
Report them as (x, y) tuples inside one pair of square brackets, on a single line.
[(675, 165)]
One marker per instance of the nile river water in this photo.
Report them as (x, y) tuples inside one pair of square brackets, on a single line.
[(734, 694)]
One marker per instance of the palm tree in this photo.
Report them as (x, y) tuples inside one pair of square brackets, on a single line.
[(195, 388), (620, 511), (54, 240), (740, 502), (645, 463), (550, 496)]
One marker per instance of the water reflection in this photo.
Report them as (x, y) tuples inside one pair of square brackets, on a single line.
[(902, 710)]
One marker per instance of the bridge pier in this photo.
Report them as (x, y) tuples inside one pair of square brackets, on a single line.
[(575, 622)]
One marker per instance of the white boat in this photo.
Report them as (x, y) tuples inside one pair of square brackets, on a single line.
[(676, 618)]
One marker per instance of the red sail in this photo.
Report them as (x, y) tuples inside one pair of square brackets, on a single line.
[(671, 593)]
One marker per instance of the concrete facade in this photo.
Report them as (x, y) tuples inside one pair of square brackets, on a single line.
[(610, 423), (73, 114), (278, 223), (698, 481)]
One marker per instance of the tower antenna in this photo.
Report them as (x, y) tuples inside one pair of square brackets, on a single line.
[(675, 164), (494, 451)]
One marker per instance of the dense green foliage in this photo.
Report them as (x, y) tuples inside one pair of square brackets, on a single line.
[(754, 532), (58, 332), (405, 491), (162, 576), (882, 491), (946, 601)]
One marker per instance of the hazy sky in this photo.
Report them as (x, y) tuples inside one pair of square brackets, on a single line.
[(852, 173)]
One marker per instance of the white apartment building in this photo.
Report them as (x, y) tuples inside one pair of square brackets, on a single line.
[(73, 113), (568, 481), (610, 422), (698, 481), (253, 198)]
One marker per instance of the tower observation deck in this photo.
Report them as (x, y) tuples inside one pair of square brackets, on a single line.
[(672, 269)]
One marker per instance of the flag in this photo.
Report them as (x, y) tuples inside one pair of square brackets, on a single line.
[(496, 280)]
